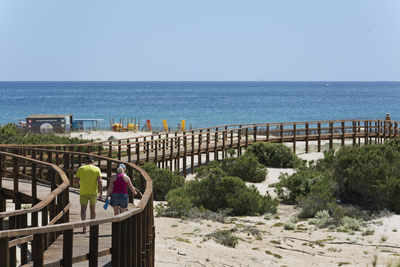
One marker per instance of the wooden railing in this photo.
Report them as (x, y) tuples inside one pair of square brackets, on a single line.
[(132, 232), (54, 208), (185, 150)]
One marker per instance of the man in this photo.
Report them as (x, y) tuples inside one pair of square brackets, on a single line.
[(89, 179)]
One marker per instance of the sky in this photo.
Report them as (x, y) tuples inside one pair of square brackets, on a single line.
[(200, 40)]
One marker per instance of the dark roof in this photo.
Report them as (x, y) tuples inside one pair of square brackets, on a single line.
[(46, 116)]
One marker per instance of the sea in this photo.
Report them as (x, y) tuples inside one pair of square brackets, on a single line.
[(201, 104)]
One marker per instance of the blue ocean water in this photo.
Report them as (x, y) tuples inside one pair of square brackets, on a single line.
[(202, 104)]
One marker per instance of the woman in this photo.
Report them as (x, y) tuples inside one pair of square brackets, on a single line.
[(119, 191)]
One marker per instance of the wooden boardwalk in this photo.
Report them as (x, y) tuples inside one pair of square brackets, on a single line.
[(81, 240)]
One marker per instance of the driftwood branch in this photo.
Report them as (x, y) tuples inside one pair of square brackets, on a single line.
[(343, 243)]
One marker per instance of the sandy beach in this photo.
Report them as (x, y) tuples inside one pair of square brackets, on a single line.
[(263, 241), (105, 135)]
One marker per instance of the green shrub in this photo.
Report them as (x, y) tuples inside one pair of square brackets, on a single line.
[(349, 223), (320, 197), (322, 219), (163, 180), (245, 167), (215, 191), (369, 176), (11, 134), (178, 207), (274, 155), (298, 184)]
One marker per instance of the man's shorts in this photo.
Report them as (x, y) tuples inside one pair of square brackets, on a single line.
[(119, 200), (84, 199)]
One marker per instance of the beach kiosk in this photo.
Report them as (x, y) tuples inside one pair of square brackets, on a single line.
[(49, 123)]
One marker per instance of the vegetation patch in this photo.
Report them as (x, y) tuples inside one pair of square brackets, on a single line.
[(273, 254), (164, 180), (224, 237), (11, 134), (185, 240), (367, 177), (274, 155), (214, 191)]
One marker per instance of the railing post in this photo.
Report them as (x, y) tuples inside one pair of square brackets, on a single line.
[(281, 132), (343, 134), (123, 242), (223, 144), (16, 178), (192, 155), (38, 250), (267, 133), (199, 149), (68, 241), (2, 208), (366, 132), (155, 158), (139, 233), (119, 149), (294, 137), (137, 153), (135, 238), (178, 155), (331, 135), (247, 137), (45, 220), (93, 245), (319, 136), (184, 154), (24, 246), (4, 252), (239, 147), (147, 151), (129, 239), (67, 165), (163, 154), (208, 147), (171, 154), (110, 147), (255, 134), (307, 127), (1, 170), (354, 134), (128, 148), (216, 156), (116, 244), (12, 224)]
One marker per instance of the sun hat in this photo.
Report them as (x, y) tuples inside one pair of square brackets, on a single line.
[(122, 166), (89, 158)]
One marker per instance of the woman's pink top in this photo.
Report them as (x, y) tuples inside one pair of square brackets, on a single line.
[(120, 186)]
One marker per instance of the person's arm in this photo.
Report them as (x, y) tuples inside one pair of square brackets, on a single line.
[(130, 185), (100, 185), (77, 178), (110, 186)]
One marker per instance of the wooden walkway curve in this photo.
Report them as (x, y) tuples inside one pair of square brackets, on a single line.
[(50, 231)]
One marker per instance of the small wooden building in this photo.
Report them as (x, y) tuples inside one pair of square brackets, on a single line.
[(49, 123)]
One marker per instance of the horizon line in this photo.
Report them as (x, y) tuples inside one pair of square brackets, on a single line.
[(261, 81)]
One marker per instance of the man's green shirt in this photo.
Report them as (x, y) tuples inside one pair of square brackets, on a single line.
[(88, 179)]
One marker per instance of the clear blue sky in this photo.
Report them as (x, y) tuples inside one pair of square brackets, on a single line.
[(200, 40)]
